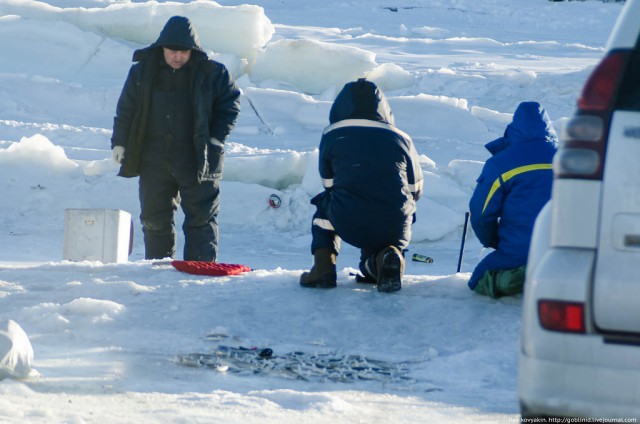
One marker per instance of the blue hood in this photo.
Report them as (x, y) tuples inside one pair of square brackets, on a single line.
[(530, 122), (361, 99)]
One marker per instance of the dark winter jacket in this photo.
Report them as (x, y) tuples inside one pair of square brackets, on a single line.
[(514, 185), (169, 136), (214, 95), (369, 166)]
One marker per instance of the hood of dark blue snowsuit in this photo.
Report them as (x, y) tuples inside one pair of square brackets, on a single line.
[(361, 100), (530, 121), (178, 34)]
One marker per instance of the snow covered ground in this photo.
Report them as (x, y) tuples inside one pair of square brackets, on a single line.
[(105, 336)]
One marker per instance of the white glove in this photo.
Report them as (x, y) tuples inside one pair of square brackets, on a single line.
[(118, 154)]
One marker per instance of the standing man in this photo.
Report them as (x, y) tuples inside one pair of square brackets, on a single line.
[(514, 185), (175, 112), (372, 180)]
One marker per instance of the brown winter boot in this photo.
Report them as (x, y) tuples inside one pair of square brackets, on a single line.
[(323, 272), (390, 268)]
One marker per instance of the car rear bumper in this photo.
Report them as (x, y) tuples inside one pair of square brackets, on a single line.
[(550, 388)]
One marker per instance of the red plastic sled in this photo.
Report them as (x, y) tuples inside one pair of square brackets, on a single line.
[(209, 268)]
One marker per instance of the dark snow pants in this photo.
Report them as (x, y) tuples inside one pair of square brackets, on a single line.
[(324, 235), (161, 190)]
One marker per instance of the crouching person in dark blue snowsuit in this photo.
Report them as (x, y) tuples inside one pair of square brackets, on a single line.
[(372, 180), (513, 186)]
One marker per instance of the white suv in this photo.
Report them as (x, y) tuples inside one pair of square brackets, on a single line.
[(580, 353)]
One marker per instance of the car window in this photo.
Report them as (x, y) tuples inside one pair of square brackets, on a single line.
[(629, 94)]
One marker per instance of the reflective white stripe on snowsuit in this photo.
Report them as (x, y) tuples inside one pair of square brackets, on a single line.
[(327, 182), (216, 142), (364, 123), (368, 268), (323, 223)]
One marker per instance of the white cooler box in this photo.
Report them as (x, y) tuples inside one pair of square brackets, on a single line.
[(104, 235)]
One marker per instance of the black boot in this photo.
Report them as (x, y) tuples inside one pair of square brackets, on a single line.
[(390, 268), (323, 272)]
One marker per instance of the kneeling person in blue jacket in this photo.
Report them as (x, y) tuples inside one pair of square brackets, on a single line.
[(514, 185), (372, 180)]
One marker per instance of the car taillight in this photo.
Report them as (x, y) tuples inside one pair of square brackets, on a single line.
[(598, 92), (556, 315), (581, 154)]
